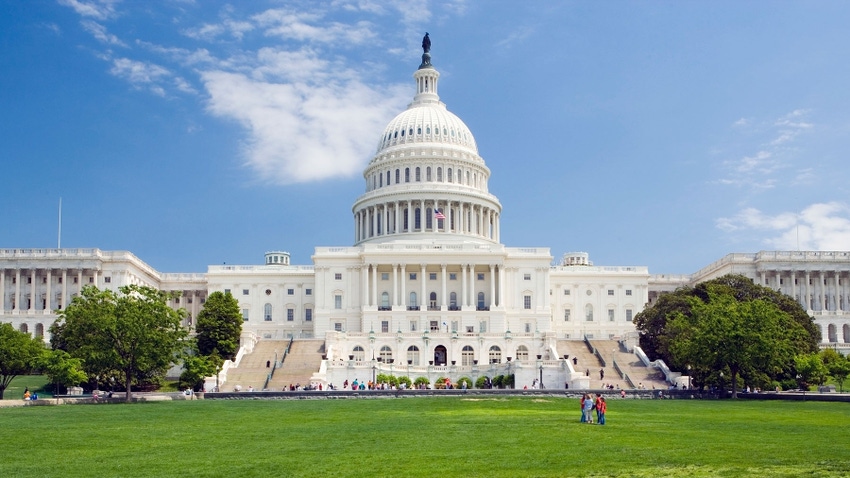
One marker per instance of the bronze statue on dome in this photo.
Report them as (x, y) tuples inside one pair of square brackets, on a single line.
[(426, 43)]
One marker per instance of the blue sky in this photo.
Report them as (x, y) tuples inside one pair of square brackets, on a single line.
[(664, 134)]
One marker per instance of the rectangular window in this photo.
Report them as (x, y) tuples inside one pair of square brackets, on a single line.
[(385, 326), (91, 280), (526, 277), (290, 291), (75, 280), (412, 276), (610, 291), (628, 292), (432, 276), (566, 291), (385, 276), (226, 291), (107, 280), (629, 315), (245, 315), (434, 326), (526, 302), (567, 315), (452, 276), (480, 276), (308, 314), (611, 315), (413, 326), (482, 327), (177, 300), (245, 291), (454, 326), (338, 276), (337, 326), (290, 315), (527, 328), (308, 291), (60, 280), (337, 302)]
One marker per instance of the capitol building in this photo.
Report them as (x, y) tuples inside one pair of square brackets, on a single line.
[(427, 287)]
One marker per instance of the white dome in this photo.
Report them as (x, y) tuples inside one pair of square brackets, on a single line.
[(428, 123)]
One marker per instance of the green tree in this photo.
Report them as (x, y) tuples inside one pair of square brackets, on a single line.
[(19, 354), (796, 330), (133, 331), (219, 326), (196, 368), (837, 365), (62, 369), (810, 370)]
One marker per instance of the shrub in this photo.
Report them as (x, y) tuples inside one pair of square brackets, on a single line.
[(481, 382), (404, 380), (421, 381), (461, 380), (440, 383)]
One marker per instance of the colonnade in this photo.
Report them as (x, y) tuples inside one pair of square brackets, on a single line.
[(815, 290), (421, 215), (43, 291)]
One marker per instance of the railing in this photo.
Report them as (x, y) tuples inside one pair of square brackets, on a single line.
[(669, 376), (594, 351)]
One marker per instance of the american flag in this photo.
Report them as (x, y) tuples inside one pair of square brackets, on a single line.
[(438, 214)]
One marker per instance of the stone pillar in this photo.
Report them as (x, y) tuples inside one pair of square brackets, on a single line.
[(48, 302), (463, 291), (32, 291), (374, 285), (64, 289), (2, 290), (443, 298), (17, 290), (404, 301), (822, 286), (364, 280), (395, 301), (492, 286), (423, 279)]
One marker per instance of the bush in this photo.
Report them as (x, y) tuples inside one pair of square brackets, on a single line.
[(481, 382), (404, 380), (421, 381), (440, 383), (461, 380)]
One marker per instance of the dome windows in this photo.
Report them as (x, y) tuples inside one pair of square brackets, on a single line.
[(419, 130)]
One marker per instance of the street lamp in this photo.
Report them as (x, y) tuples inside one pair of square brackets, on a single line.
[(541, 376)]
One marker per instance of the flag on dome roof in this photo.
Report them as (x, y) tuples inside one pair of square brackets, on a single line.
[(438, 214)]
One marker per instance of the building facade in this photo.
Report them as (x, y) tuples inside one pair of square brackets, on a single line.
[(426, 282)]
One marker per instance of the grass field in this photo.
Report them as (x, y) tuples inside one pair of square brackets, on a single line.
[(434, 436)]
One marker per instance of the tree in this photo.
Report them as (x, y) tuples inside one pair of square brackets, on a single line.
[(196, 368), (62, 369), (754, 310), (133, 331), (19, 354), (837, 365), (219, 326)]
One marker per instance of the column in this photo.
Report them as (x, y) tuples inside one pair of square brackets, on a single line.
[(17, 290), (424, 299), (808, 300), (94, 278), (32, 291), (492, 286), (374, 285), (48, 306), (443, 298), (395, 301), (2, 290), (404, 302), (778, 281), (64, 289), (794, 286), (501, 302), (79, 281), (364, 280), (822, 286), (397, 219), (409, 216), (463, 268)]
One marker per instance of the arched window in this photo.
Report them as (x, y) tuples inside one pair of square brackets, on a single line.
[(846, 334), (418, 224), (413, 302), (522, 353), (481, 305), (39, 330), (832, 333), (439, 175), (407, 175), (406, 222), (432, 301), (413, 355), (385, 299), (418, 175), (429, 216), (388, 178), (467, 356), (24, 328), (449, 174), (380, 180), (359, 353), (397, 176), (267, 312), (588, 313), (495, 354), (386, 354), (428, 173), (453, 301)]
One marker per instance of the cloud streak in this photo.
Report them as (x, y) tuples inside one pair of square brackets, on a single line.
[(818, 227)]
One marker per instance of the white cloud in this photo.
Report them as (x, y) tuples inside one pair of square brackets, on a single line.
[(140, 74), (818, 227), (99, 32), (306, 27), (302, 132), (99, 9)]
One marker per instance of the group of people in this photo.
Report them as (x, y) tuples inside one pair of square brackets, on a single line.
[(588, 405), (28, 395)]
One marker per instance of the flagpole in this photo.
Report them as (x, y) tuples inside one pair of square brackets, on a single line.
[(59, 242)]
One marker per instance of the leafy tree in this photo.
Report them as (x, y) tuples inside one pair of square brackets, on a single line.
[(749, 305), (837, 365), (133, 331), (62, 369), (810, 370), (19, 354), (196, 368), (219, 328)]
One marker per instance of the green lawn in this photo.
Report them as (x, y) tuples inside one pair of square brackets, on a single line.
[(442, 436), (36, 383)]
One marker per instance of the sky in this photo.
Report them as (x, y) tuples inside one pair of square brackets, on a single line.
[(646, 133)]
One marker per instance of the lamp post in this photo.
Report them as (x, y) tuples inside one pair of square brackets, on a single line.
[(509, 371), (541, 376)]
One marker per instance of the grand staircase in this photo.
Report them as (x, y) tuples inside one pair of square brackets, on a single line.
[(302, 361), (629, 363), (255, 366)]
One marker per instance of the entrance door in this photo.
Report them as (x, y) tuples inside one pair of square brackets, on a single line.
[(440, 355)]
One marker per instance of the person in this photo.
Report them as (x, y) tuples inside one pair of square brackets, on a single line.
[(575, 360), (623, 393), (588, 408), (601, 374), (26, 393), (601, 408), (597, 404), (581, 407)]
